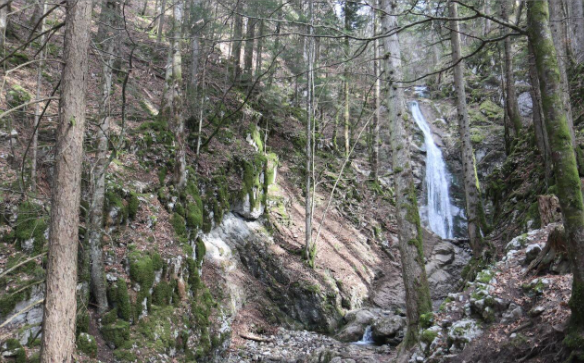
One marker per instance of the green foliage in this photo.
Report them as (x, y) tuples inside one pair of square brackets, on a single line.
[(125, 355), (426, 320), (82, 325), (491, 110), (18, 58), (201, 251), (428, 336), (123, 301), (87, 344), (256, 136), (114, 200)]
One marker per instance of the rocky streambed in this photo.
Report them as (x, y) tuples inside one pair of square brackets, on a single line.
[(303, 346)]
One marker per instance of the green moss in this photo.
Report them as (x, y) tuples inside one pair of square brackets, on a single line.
[(491, 110), (110, 317), (31, 223), (256, 136), (162, 294), (428, 336), (484, 276), (201, 250), (123, 301), (576, 304), (82, 325), (87, 344), (155, 330), (162, 175), (179, 225), (125, 355), (12, 297), (114, 200), (18, 59), (194, 216), (133, 204), (117, 333), (252, 187), (426, 320)]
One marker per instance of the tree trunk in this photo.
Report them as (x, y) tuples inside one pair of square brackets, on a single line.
[(98, 170), (471, 184), (193, 80), (565, 168), (180, 167), (347, 114), (161, 21), (538, 118), (58, 341), (577, 30), (4, 5), (310, 248), (511, 104), (248, 51), (37, 107), (409, 229), (377, 115), (237, 34), (260, 48), (144, 8)]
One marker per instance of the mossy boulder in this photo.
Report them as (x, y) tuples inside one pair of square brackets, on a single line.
[(31, 227), (116, 333), (87, 344)]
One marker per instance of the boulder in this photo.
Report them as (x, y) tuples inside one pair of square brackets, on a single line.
[(389, 329), (463, 332), (531, 253)]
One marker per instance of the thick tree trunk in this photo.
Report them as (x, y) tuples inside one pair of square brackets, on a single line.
[(511, 104), (58, 341), (565, 168), (471, 184), (37, 107), (541, 135), (409, 229)]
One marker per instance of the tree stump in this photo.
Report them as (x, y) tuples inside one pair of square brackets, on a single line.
[(553, 257)]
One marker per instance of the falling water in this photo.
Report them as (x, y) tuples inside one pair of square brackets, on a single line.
[(367, 337), (439, 207)]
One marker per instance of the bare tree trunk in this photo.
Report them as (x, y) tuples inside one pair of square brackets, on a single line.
[(377, 115), (565, 166), (409, 229), (248, 51), (310, 248), (511, 104), (487, 22), (260, 48), (237, 34), (37, 107), (471, 185), (58, 341), (577, 30), (161, 21), (144, 8), (180, 167), (98, 170), (538, 117), (4, 5)]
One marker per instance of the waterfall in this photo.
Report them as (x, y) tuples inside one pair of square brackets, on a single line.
[(438, 207), (367, 337)]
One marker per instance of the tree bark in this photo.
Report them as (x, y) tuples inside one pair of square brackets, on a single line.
[(409, 229), (58, 341), (161, 21), (37, 107), (471, 184), (541, 135), (511, 104), (248, 51), (310, 248), (180, 167), (577, 30), (236, 46), (565, 167), (377, 115)]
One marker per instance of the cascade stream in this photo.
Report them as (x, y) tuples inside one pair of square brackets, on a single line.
[(438, 209)]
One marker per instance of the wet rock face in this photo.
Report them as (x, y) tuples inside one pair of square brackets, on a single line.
[(444, 266), (386, 326), (238, 243)]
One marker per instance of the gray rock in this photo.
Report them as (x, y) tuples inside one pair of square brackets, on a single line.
[(389, 329), (531, 253), (463, 332), (514, 313)]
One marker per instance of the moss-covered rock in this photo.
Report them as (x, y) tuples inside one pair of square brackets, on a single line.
[(87, 344), (31, 225), (116, 333)]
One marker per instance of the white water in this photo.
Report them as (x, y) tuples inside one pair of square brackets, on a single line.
[(367, 337), (439, 208)]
